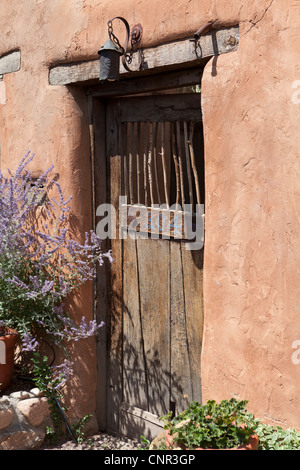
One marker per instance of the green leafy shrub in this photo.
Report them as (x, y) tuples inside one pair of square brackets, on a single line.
[(213, 425), (277, 438), (226, 425)]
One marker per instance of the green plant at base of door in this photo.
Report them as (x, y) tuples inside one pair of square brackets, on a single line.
[(218, 426)]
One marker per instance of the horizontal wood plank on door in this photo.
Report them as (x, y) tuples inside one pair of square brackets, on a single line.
[(138, 422), (148, 84), (161, 108), (182, 52), (151, 221)]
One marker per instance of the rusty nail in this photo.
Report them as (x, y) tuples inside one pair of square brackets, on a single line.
[(231, 41)]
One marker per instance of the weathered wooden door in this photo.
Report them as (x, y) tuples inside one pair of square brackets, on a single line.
[(154, 152)]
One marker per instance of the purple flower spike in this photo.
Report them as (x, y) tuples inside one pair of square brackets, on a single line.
[(41, 264)]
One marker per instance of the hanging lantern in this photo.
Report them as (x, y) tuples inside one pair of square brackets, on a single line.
[(111, 52), (110, 55)]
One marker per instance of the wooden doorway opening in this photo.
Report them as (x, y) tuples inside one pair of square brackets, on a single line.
[(149, 150)]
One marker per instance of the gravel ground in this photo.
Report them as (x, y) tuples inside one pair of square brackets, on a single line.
[(100, 441)]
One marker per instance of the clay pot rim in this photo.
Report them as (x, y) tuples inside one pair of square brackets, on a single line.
[(8, 332), (10, 338), (251, 445)]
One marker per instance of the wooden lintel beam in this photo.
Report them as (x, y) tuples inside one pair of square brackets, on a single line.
[(146, 84), (10, 62), (185, 52)]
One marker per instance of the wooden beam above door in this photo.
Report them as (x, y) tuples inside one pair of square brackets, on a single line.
[(183, 53), (10, 62)]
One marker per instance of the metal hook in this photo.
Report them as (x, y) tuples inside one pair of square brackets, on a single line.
[(136, 35), (204, 29)]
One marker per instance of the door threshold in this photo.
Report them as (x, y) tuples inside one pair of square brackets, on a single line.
[(136, 422)]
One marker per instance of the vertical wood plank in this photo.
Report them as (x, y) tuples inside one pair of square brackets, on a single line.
[(193, 162), (131, 124), (192, 268), (138, 169), (163, 159), (115, 324), (155, 163), (98, 136), (125, 158), (188, 163), (145, 164), (153, 257), (180, 347), (150, 179), (180, 163), (176, 165), (135, 391)]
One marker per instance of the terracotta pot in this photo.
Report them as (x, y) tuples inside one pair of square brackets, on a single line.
[(251, 445), (7, 347)]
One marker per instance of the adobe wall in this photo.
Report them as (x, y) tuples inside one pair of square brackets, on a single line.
[(252, 216), (251, 122)]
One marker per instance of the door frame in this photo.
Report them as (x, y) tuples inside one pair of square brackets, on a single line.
[(98, 96)]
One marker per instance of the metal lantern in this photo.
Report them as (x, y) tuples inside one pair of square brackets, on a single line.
[(110, 55), (112, 50)]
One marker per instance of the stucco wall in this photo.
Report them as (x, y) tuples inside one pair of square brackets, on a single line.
[(251, 122), (252, 217)]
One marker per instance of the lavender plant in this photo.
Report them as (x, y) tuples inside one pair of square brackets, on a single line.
[(41, 265)]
